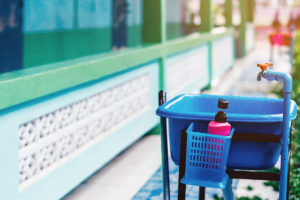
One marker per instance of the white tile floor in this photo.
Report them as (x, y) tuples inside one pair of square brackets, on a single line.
[(265, 193)]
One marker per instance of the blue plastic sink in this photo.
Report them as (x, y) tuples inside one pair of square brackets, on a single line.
[(246, 115)]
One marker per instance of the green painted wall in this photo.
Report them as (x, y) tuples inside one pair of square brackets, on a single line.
[(134, 36), (51, 47), (173, 30)]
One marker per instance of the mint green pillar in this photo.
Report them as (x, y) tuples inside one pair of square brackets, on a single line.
[(243, 26), (228, 13)]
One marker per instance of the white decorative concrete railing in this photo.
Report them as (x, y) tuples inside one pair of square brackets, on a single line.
[(222, 55), (187, 71), (51, 145), (51, 138), (250, 36)]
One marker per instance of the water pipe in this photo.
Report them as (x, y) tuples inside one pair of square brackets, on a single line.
[(287, 92)]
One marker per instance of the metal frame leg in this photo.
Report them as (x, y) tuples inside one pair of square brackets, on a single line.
[(201, 193), (164, 150), (228, 191), (288, 178), (289, 160), (284, 168), (181, 186)]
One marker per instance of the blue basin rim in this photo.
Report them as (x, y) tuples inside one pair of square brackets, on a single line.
[(166, 111)]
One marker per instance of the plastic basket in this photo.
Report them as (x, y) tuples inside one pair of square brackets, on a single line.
[(245, 114), (275, 38), (206, 157)]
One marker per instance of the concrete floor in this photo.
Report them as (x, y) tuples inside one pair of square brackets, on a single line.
[(122, 178)]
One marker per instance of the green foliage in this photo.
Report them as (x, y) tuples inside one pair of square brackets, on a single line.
[(216, 197), (295, 184), (250, 198), (249, 188), (273, 184), (295, 150)]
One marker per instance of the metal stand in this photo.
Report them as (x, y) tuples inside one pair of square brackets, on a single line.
[(181, 186), (241, 174), (233, 174), (164, 149)]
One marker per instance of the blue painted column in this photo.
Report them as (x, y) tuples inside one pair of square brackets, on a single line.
[(11, 35)]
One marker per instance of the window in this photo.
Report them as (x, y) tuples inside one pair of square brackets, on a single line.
[(191, 16), (183, 17)]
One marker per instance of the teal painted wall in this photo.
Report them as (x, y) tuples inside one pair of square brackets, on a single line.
[(50, 47), (61, 30)]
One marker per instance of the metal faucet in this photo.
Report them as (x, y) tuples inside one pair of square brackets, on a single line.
[(260, 74), (263, 68), (270, 75)]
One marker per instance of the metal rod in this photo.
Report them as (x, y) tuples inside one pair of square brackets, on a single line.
[(164, 149), (285, 147), (288, 178), (256, 137), (253, 175), (201, 193), (181, 186)]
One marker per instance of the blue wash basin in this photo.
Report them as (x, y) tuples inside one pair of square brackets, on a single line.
[(246, 114)]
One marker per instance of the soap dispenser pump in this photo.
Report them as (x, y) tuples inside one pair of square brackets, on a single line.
[(220, 126)]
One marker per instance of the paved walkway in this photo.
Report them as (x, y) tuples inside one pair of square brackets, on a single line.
[(124, 176)]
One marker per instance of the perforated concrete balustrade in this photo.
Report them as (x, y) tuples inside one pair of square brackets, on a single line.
[(51, 139), (188, 68)]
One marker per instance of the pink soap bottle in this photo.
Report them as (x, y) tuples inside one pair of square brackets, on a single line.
[(220, 126)]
